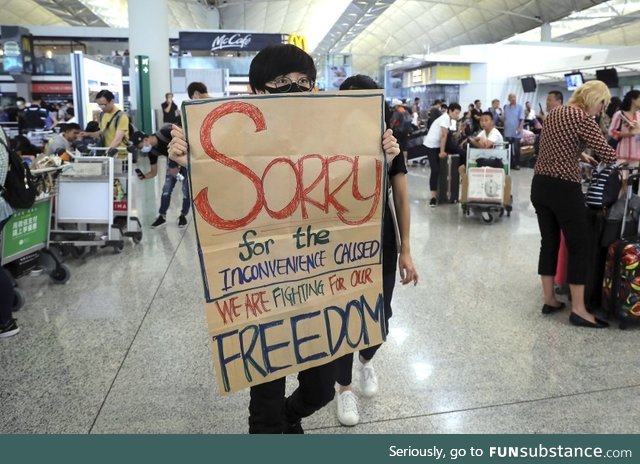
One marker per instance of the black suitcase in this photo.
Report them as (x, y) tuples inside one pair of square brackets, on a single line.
[(449, 180)]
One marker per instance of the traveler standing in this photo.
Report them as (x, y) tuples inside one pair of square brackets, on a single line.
[(625, 128), (347, 407), (170, 111), (436, 143), (557, 196), (513, 125)]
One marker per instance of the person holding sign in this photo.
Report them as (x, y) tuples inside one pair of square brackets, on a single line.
[(274, 70), (399, 201)]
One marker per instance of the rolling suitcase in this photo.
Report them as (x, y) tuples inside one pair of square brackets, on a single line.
[(449, 180), (560, 279), (621, 285)]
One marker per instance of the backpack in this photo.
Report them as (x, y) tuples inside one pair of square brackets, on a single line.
[(19, 189), (605, 186)]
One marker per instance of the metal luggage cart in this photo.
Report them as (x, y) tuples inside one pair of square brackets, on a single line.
[(487, 202), (94, 207), (24, 240)]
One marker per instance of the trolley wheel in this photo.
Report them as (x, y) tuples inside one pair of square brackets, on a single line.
[(487, 217), (61, 274), (501, 212), (18, 299), (117, 249), (137, 237), (77, 252)]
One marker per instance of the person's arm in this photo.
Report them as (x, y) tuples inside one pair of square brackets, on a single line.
[(153, 171), (406, 267), (121, 130), (444, 132), (166, 107), (590, 133)]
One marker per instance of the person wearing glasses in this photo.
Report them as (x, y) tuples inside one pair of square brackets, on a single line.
[(114, 123), (284, 69)]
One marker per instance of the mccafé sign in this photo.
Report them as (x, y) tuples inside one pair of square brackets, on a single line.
[(229, 41), (298, 40)]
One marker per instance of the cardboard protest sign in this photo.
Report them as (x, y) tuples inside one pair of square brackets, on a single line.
[(288, 194)]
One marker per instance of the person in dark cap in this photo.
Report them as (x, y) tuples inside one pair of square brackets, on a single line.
[(153, 146)]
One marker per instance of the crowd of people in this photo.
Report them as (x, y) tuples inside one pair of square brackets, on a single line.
[(565, 130)]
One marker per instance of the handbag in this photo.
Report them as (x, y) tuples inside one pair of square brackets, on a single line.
[(613, 143)]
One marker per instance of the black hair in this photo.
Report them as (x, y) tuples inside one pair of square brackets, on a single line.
[(106, 94), (444, 107), (558, 95), (71, 126), (487, 113), (626, 100), (476, 101), (196, 87), (359, 82), (437, 102), (454, 106), (71, 112), (20, 99), (278, 60), (614, 105)]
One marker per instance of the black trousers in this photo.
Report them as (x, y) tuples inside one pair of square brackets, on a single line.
[(434, 164), (269, 410), (559, 205), (515, 153)]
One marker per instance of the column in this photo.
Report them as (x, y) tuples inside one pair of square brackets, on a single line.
[(149, 35)]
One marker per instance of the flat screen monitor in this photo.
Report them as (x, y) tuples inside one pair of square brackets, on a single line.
[(528, 84), (608, 75), (573, 80)]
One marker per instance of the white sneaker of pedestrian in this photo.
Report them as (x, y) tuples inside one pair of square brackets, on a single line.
[(368, 380), (348, 408)]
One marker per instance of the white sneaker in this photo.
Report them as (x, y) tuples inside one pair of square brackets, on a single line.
[(368, 380), (348, 408)]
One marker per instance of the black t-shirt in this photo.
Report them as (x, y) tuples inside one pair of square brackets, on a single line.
[(163, 135), (397, 167), (171, 116)]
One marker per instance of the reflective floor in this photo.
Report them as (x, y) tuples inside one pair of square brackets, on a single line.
[(123, 347)]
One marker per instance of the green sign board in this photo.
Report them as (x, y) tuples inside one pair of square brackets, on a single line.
[(144, 94), (27, 228)]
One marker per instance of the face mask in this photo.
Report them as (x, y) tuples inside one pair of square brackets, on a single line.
[(295, 88), (146, 149)]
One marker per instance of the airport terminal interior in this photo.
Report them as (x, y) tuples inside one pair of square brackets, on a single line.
[(123, 346)]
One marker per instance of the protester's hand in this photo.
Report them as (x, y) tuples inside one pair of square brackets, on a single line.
[(443, 154), (178, 146), (390, 145), (407, 270), (174, 171)]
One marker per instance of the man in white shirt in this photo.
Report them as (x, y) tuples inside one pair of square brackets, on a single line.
[(436, 142)]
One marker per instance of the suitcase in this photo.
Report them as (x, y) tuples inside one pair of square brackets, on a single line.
[(560, 278), (621, 286), (449, 180)]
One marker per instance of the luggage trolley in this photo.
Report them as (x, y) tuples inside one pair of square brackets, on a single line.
[(24, 240), (486, 186), (95, 191)]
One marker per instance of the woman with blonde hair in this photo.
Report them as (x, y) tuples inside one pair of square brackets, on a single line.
[(557, 196)]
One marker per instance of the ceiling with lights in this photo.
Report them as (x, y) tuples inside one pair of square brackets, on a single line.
[(367, 29)]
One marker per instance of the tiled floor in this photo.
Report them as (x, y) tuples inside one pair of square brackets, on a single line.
[(123, 347)]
